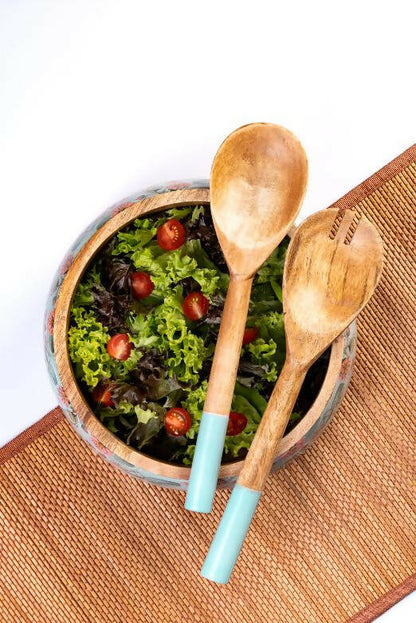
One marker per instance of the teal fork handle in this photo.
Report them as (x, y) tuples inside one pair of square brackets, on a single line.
[(206, 462), (230, 534)]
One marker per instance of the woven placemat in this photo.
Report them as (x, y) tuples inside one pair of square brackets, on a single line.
[(331, 541)]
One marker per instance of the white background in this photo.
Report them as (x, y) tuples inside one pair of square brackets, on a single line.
[(100, 98)]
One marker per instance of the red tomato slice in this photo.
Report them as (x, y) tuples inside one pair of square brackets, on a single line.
[(171, 235), (119, 346), (177, 421), (195, 305), (102, 395), (236, 423), (141, 285), (250, 334)]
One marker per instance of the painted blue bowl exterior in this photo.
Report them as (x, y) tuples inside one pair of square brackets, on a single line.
[(331, 406)]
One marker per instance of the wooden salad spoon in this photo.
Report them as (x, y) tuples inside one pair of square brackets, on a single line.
[(332, 267), (258, 181)]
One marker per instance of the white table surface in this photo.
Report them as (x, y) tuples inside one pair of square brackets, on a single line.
[(100, 98)]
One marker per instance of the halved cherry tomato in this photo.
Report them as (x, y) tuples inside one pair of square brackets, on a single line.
[(171, 235), (102, 395), (119, 346), (250, 334), (195, 305), (177, 421), (236, 423), (141, 285)]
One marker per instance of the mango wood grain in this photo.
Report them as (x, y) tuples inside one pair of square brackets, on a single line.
[(332, 268), (227, 352), (259, 461), (258, 181), (156, 203)]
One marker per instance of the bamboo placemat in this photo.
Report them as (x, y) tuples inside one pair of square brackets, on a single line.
[(332, 539)]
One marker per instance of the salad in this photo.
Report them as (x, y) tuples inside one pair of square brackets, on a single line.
[(143, 328)]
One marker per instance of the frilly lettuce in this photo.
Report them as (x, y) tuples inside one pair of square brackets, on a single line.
[(136, 239), (269, 349), (143, 330), (87, 344), (166, 329), (271, 326), (263, 353), (182, 213), (168, 269), (186, 351), (180, 265)]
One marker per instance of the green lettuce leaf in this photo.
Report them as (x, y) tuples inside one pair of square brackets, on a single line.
[(87, 344), (295, 417), (277, 289), (166, 329), (193, 248), (271, 326), (183, 213), (180, 213), (197, 212), (273, 266), (252, 395), (142, 327), (269, 349), (83, 295), (149, 260), (194, 403), (185, 351), (132, 241), (263, 353), (148, 425)]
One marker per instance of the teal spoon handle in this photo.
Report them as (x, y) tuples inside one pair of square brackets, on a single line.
[(242, 504), (230, 534), (210, 442)]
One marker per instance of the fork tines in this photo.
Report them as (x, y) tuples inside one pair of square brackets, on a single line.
[(352, 228), (336, 224)]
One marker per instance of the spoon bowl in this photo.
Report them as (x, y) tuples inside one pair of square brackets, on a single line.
[(258, 181)]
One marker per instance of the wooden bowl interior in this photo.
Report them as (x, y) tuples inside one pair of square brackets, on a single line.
[(158, 202)]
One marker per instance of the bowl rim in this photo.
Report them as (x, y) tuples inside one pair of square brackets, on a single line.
[(155, 203)]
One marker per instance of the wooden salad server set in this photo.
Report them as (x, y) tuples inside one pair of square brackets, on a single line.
[(332, 267)]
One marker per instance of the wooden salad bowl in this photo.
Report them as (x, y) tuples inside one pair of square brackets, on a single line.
[(70, 397)]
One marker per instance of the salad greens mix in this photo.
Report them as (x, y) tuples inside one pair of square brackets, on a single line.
[(144, 324)]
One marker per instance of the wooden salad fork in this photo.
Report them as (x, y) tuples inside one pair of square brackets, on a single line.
[(258, 181), (332, 268)]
